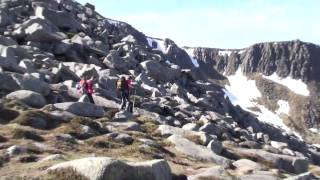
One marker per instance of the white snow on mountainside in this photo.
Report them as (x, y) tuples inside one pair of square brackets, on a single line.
[(192, 57), (225, 52), (244, 92), (283, 107), (297, 86), (160, 45)]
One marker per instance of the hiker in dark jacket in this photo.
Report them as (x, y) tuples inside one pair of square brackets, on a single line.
[(123, 88)]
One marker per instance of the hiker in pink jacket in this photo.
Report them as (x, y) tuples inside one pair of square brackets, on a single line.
[(86, 88)]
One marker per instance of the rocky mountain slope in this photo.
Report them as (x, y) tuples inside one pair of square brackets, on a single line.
[(292, 67), (184, 125)]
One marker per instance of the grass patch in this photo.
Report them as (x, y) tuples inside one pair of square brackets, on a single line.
[(32, 149), (88, 122), (16, 105), (28, 159), (3, 139), (194, 138), (103, 142), (25, 134), (148, 126), (71, 128), (37, 119), (199, 123), (63, 174), (315, 170), (7, 115), (74, 128), (110, 113), (4, 158)]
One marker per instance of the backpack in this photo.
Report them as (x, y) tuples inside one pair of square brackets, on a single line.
[(85, 87), (121, 84), (81, 86)]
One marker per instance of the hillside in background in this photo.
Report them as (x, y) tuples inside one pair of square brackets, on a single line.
[(200, 113)]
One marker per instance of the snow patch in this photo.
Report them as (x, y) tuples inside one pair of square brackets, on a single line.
[(114, 22), (316, 145), (192, 57), (315, 130), (150, 41), (283, 107), (297, 86), (39, 12), (160, 45), (242, 51), (168, 62), (268, 116), (244, 92), (225, 52)]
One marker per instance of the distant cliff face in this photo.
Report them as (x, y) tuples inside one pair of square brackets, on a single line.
[(292, 59), (296, 59)]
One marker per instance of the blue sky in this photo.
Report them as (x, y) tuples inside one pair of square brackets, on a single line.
[(218, 23)]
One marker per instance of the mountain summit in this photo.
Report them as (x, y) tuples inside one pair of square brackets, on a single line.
[(199, 113)]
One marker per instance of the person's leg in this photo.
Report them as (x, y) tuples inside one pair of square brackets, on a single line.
[(90, 98), (123, 100), (128, 100)]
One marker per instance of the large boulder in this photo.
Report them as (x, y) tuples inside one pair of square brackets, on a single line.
[(81, 70), (62, 47), (28, 97), (155, 69), (211, 128), (260, 175), (28, 82), (246, 165), (198, 152), (304, 176), (166, 130), (10, 65), (1, 106), (62, 19), (150, 115), (215, 172), (28, 65), (93, 46), (101, 101), (4, 19), (123, 116), (284, 162), (7, 41), (39, 30), (44, 3), (215, 146), (63, 73), (81, 109), (123, 126), (114, 61), (190, 127), (106, 168), (7, 51), (10, 85)]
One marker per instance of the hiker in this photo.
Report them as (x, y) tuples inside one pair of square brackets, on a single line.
[(131, 84), (86, 88), (123, 88)]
